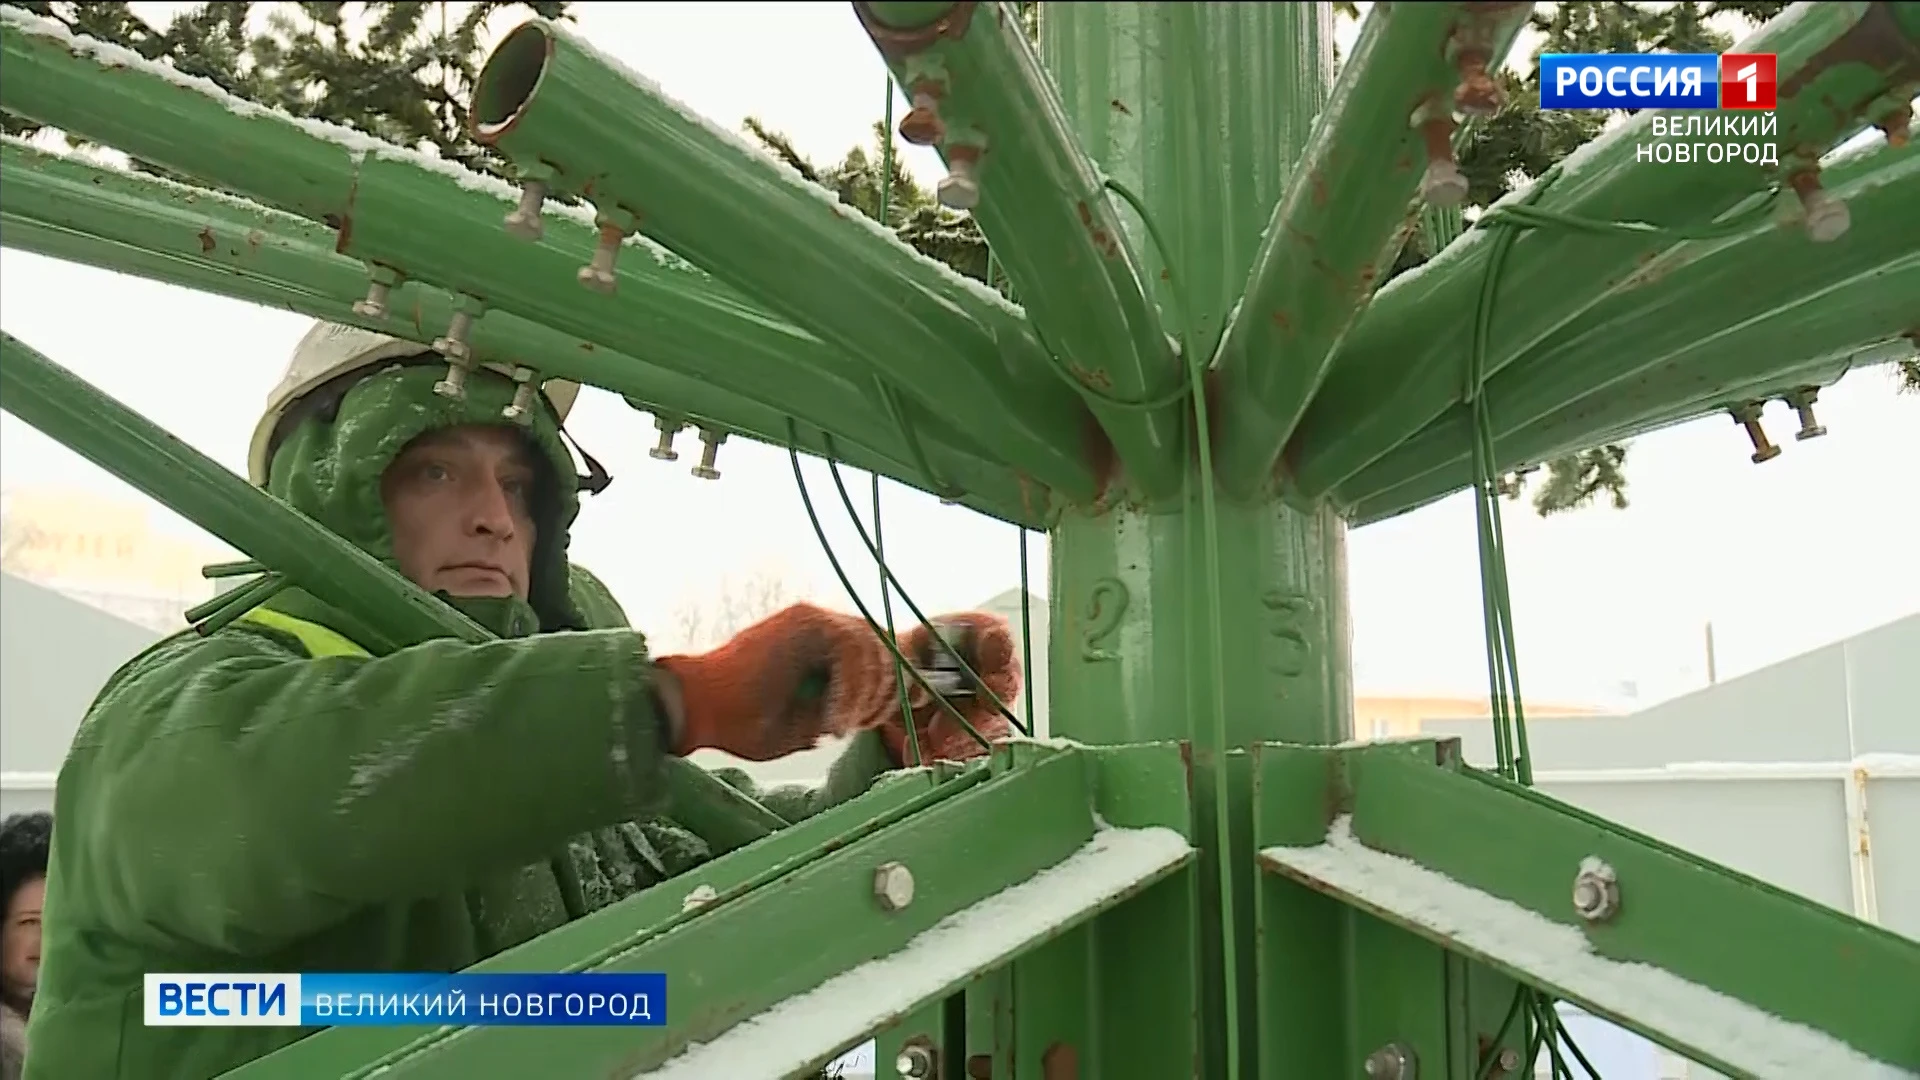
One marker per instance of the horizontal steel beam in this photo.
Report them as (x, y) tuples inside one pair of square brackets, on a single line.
[(732, 1013), (983, 100), (1405, 362), (1598, 915), (581, 123)]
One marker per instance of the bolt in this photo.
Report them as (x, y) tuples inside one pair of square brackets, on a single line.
[(521, 410), (922, 125), (598, 274), (700, 897), (663, 450), (1443, 184), (1477, 94), (1827, 216), (1509, 1059), (1391, 1062), (1596, 891), (1893, 115), (893, 886), (960, 188), (915, 1061), (458, 349), (709, 454), (379, 291), (1801, 401), (1748, 416), (524, 220)]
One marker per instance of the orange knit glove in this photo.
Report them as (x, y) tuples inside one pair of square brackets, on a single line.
[(986, 643), (779, 685)]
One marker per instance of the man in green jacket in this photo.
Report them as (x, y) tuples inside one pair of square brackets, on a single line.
[(291, 793)]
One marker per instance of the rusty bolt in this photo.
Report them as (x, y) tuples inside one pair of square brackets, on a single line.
[(893, 886), (1748, 416), (960, 188), (916, 1061), (524, 220), (922, 125), (709, 454), (1801, 402), (1391, 1062), (1596, 891), (521, 409), (1443, 184), (598, 274), (1478, 94), (1893, 115), (1827, 217), (980, 1067), (663, 450)]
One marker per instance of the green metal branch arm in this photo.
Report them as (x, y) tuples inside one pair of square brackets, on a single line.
[(556, 107), (427, 218), (153, 228), (1783, 986), (1044, 205), (140, 452), (1718, 314), (815, 883), (1670, 385), (136, 450), (1343, 219), (1405, 361)]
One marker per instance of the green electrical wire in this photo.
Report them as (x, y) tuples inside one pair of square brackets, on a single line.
[(879, 541), (1513, 756)]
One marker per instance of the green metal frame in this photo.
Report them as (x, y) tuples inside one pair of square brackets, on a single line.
[(1194, 215)]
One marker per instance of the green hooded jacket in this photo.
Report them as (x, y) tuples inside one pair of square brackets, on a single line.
[(233, 802)]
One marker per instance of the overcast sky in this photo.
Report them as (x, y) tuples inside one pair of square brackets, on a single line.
[(1810, 548)]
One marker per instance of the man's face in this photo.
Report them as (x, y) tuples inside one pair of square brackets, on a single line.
[(20, 940), (460, 505)]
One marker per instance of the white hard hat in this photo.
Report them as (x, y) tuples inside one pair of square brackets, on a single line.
[(331, 350)]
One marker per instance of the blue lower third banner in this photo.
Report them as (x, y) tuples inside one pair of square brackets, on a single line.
[(337, 999)]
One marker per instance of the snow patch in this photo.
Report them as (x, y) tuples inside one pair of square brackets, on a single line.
[(1745, 1037), (782, 1040)]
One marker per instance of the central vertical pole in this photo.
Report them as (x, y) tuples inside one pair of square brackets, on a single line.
[(1200, 109)]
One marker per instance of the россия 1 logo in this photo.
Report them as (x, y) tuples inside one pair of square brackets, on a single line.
[(1658, 81)]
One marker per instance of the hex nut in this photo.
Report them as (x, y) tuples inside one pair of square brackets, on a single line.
[(893, 886)]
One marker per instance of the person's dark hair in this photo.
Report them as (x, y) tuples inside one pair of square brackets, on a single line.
[(24, 843)]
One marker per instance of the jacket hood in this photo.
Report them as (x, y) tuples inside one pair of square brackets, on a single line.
[(329, 463)]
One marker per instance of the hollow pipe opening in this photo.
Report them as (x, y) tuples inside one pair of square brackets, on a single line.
[(509, 81)]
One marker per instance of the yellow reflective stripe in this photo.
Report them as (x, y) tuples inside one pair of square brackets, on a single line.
[(318, 640)]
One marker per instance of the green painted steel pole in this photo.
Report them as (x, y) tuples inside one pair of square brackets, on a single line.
[(1341, 225), (169, 232), (1200, 109), (550, 102), (982, 99), (1405, 360), (1721, 313)]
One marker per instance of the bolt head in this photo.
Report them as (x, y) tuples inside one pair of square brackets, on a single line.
[(1390, 1062), (1765, 454), (368, 309), (1827, 218), (922, 126), (1596, 891), (1478, 94), (525, 226), (664, 453), (893, 886), (706, 472), (1509, 1059), (958, 192), (700, 897), (915, 1062), (1443, 184), (600, 281)]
